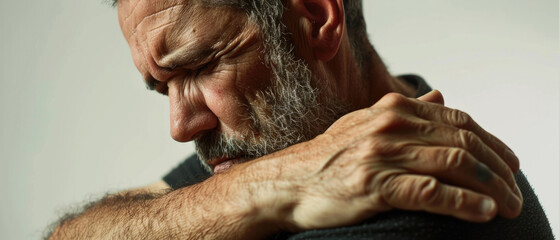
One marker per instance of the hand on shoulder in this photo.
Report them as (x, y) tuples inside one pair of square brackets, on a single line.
[(404, 153)]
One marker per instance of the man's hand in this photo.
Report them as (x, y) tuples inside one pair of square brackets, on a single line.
[(407, 154)]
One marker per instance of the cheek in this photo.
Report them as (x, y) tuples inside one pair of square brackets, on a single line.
[(225, 99), (254, 77), (230, 92)]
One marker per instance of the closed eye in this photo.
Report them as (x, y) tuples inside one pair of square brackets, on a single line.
[(162, 88), (200, 70)]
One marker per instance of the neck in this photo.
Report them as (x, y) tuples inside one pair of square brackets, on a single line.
[(378, 81), (360, 89), (364, 88)]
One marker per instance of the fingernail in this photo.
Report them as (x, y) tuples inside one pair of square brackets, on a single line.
[(487, 206), (513, 203)]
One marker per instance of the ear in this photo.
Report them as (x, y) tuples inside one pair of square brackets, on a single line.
[(324, 25)]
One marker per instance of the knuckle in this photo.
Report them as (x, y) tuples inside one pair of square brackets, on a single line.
[(455, 158), (380, 149), (386, 151), (427, 190), (393, 100), (468, 139), (391, 188), (459, 199), (412, 193), (388, 120), (427, 129), (460, 119)]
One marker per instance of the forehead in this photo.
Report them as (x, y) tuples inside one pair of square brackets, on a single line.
[(151, 19), (156, 29), (133, 14)]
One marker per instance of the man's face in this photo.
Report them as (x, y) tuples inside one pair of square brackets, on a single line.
[(211, 63)]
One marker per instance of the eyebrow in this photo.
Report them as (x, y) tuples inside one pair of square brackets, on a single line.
[(186, 56), (189, 57), (189, 60), (192, 59)]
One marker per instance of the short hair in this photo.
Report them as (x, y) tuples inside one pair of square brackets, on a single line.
[(362, 50)]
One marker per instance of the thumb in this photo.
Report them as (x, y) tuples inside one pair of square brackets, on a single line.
[(433, 96)]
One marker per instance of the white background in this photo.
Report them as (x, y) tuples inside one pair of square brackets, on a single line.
[(76, 120)]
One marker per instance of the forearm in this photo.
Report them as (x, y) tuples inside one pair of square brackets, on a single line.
[(220, 208), (115, 216)]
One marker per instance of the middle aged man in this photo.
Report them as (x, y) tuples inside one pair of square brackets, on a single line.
[(269, 92)]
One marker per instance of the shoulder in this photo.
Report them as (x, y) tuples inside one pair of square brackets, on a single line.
[(531, 224)]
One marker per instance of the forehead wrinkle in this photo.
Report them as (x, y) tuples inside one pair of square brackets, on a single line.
[(191, 16), (155, 41), (134, 19), (183, 19), (146, 70), (144, 62), (202, 43), (147, 19), (193, 49), (123, 5), (147, 50), (153, 69), (141, 10), (131, 13), (247, 36)]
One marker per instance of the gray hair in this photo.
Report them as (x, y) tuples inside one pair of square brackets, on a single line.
[(362, 50)]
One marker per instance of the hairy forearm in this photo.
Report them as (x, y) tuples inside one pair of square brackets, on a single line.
[(115, 216), (219, 208)]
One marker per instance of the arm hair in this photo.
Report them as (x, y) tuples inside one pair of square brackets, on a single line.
[(126, 201)]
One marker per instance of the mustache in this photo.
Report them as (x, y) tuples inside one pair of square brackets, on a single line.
[(216, 145)]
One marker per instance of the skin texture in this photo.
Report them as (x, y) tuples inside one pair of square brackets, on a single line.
[(396, 152), (197, 106)]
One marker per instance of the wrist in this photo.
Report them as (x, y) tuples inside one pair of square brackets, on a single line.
[(265, 194), (276, 209)]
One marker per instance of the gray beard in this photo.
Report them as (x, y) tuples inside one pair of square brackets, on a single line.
[(291, 113), (288, 112)]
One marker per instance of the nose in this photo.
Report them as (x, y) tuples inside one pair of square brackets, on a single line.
[(190, 116)]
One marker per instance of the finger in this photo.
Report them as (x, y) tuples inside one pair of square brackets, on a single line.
[(458, 167), (462, 120), (417, 131), (445, 135), (416, 192), (433, 97), (439, 113)]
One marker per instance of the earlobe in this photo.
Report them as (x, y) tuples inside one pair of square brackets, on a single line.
[(325, 26)]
